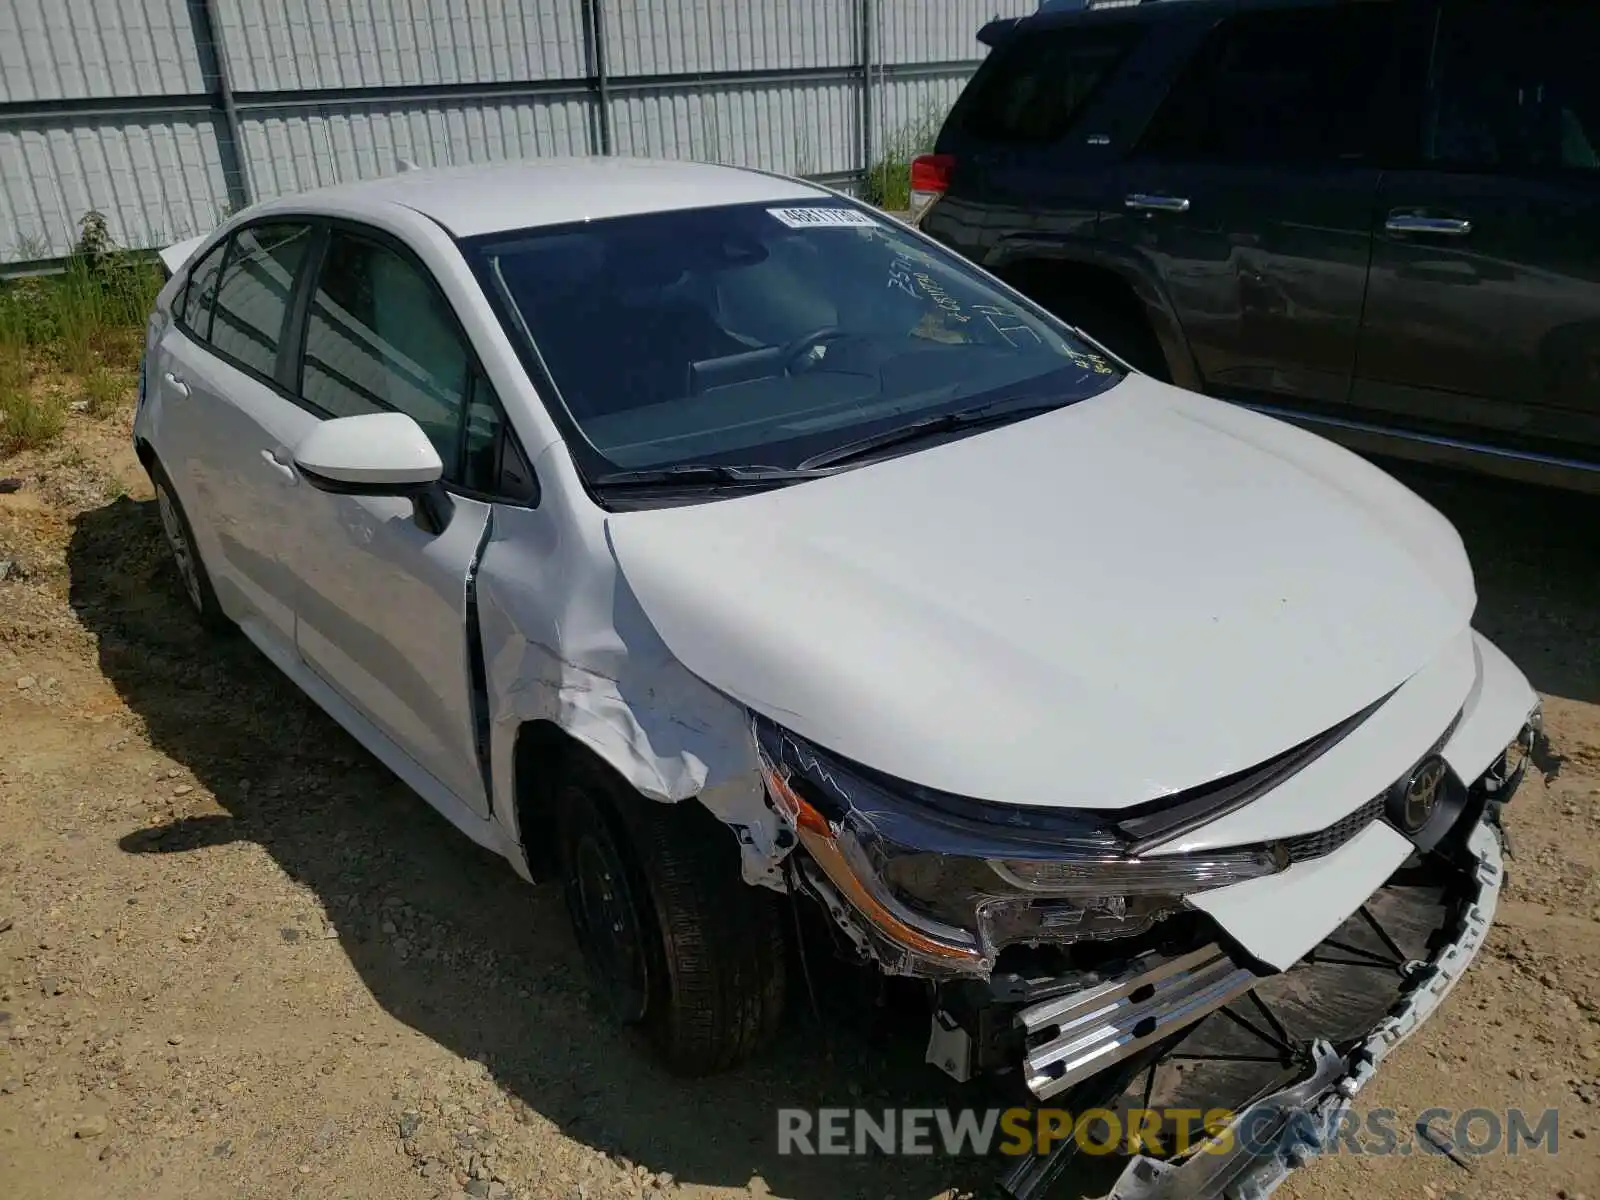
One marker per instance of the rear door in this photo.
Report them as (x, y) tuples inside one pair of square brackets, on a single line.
[(227, 421), (1250, 195), (1483, 317), (382, 603)]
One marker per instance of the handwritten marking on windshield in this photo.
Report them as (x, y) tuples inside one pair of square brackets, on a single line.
[(935, 292), (993, 313), (900, 277), (1090, 362)]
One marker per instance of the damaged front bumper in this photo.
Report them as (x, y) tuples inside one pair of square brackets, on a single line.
[(1261, 984), (1292, 1125), (1287, 1129)]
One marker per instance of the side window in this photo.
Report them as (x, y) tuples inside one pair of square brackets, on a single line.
[(381, 339), (1040, 82), (1514, 87), (199, 292), (1291, 85), (492, 461), (253, 295)]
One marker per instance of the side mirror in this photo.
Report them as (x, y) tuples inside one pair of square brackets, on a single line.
[(377, 454)]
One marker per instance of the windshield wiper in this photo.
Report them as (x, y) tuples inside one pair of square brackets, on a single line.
[(995, 412), (703, 474)]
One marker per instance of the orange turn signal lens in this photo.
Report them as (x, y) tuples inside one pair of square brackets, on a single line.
[(818, 837)]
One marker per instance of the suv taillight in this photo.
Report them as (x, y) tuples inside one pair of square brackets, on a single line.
[(930, 176)]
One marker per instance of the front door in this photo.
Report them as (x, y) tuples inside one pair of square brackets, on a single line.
[(382, 604), (1250, 194), (1483, 315)]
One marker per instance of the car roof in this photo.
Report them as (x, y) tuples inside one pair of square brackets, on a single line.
[(495, 197)]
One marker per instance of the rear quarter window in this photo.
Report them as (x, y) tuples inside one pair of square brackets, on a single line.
[(1036, 85), (199, 290)]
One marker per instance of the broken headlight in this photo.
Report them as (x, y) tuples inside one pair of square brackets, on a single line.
[(948, 882)]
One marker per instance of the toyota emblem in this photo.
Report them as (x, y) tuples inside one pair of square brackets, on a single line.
[(1421, 795)]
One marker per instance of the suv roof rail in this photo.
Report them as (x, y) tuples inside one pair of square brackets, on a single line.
[(997, 30), (1053, 6)]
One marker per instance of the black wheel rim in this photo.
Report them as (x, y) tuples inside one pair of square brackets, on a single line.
[(611, 934)]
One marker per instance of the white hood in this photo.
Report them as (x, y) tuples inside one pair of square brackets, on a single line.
[(1129, 597)]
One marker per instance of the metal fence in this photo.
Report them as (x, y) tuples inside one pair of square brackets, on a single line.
[(165, 115)]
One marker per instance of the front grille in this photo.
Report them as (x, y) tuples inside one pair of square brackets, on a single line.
[(1326, 841)]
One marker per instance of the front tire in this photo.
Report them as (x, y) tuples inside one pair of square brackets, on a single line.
[(674, 940)]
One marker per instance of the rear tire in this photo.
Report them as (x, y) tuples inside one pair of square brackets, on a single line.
[(186, 559), (674, 940)]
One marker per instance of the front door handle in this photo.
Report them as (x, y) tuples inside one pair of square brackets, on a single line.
[(286, 469), (176, 384), (1406, 222), (1147, 202)]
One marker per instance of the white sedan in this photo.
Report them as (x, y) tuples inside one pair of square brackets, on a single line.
[(715, 544)]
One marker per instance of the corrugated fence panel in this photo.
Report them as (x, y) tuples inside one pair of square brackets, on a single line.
[(158, 174), (56, 49), (293, 149), (907, 113), (798, 128), (909, 31), (671, 37), (156, 182), (293, 45)]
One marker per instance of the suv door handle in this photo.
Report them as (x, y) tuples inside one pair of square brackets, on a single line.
[(1404, 222), (1146, 202), (176, 384), (286, 469)]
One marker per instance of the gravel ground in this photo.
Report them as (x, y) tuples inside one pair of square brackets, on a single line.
[(238, 958)]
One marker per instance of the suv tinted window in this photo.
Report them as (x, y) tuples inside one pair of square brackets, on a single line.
[(1288, 85), (381, 339), (1516, 87), (200, 291), (1038, 83), (253, 296)]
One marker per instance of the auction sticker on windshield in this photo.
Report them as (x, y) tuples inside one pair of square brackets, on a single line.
[(822, 218)]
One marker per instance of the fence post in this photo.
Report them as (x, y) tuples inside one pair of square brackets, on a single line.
[(214, 65), (866, 91), (599, 75)]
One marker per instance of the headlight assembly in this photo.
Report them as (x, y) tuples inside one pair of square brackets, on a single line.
[(945, 883)]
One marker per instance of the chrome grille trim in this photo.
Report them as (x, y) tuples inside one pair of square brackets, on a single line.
[(1104, 1024)]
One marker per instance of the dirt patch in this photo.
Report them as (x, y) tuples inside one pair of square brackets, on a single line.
[(239, 958)]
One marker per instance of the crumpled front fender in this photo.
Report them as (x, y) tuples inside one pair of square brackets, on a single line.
[(564, 641)]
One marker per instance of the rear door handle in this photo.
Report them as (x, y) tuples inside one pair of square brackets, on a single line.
[(1147, 202), (286, 469), (1404, 222), (176, 384)]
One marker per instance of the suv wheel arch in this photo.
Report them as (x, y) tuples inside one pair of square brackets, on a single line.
[(1110, 307)]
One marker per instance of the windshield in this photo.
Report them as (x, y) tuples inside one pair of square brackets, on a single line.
[(764, 334)]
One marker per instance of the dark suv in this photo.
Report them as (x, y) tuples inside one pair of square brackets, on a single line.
[(1377, 218)]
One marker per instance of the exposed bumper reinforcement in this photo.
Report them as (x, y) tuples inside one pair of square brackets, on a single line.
[(1105, 1024), (1288, 1129)]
